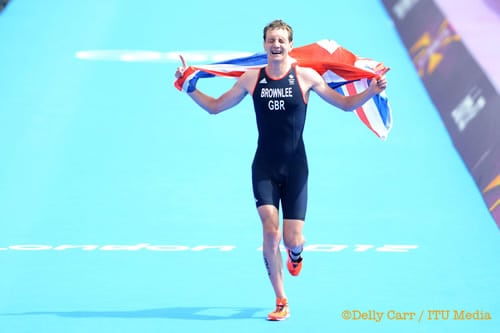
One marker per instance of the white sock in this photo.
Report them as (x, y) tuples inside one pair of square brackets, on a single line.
[(295, 252)]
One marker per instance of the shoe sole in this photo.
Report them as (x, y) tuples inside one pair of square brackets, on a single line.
[(278, 319)]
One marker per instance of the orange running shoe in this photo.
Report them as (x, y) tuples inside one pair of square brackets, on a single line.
[(294, 266), (281, 312)]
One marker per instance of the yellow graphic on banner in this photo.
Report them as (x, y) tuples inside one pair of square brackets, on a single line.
[(428, 50), (494, 183)]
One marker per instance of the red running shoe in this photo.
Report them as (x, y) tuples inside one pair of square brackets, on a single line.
[(281, 312), (294, 266)]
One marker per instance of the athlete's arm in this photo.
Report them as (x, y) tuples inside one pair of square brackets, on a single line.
[(216, 105), (315, 82), (227, 100)]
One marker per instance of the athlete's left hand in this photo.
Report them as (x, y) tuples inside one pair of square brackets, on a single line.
[(378, 84)]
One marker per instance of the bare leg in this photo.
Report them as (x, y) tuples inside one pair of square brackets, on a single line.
[(269, 216)]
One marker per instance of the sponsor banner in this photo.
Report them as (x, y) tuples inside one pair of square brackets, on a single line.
[(489, 178), (458, 85), (478, 23), (3, 4)]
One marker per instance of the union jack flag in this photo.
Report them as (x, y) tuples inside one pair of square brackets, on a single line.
[(344, 71)]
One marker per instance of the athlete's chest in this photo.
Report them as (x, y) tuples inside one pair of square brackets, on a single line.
[(281, 94)]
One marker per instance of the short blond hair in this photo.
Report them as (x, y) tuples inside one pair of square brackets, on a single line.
[(279, 24)]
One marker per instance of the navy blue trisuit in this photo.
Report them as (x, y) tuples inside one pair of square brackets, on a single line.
[(279, 168)]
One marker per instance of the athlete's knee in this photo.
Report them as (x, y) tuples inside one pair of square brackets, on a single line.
[(270, 224), (292, 234), (272, 235), (292, 241)]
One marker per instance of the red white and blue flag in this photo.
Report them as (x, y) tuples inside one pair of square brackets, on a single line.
[(343, 71)]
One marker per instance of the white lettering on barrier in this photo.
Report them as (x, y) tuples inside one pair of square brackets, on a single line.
[(396, 248), (83, 247), (403, 7), (30, 247), (173, 248), (222, 248), (468, 109), (326, 248)]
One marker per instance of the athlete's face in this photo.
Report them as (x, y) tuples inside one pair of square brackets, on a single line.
[(277, 44)]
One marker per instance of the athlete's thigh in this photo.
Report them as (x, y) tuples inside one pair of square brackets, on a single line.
[(265, 190), (294, 193)]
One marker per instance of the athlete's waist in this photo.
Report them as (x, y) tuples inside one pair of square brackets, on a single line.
[(280, 152)]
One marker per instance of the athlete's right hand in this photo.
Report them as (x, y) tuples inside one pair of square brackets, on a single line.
[(188, 83), (180, 70)]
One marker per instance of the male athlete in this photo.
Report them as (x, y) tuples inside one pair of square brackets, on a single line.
[(280, 93)]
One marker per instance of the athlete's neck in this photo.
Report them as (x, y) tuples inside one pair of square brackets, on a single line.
[(276, 69)]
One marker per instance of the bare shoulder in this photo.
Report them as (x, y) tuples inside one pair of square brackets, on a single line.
[(308, 77), (252, 74), (248, 79), (306, 72)]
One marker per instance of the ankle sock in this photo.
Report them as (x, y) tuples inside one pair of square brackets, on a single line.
[(295, 252)]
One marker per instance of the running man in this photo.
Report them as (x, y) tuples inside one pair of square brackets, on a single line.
[(280, 93)]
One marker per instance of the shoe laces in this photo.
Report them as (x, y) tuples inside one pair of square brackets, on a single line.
[(281, 304)]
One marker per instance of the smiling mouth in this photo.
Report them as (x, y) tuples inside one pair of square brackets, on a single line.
[(276, 52)]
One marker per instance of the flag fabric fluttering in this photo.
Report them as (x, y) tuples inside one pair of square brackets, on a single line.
[(344, 71)]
